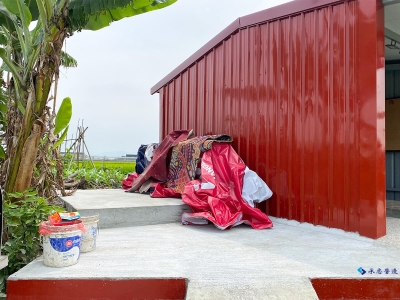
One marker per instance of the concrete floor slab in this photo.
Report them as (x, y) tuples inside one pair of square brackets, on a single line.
[(393, 208), (241, 263), (3, 261), (119, 209)]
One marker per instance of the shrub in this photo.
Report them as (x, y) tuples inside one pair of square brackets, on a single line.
[(106, 175), (21, 237)]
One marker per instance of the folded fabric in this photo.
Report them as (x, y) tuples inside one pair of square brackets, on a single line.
[(185, 159)]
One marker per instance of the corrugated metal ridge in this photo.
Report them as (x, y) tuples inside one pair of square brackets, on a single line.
[(290, 8)]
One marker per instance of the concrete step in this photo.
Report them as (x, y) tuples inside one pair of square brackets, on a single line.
[(289, 261), (116, 208)]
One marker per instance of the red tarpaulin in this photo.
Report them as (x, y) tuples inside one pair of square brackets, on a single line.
[(217, 197), (128, 181)]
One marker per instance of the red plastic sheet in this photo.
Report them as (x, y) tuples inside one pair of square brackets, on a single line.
[(46, 228), (217, 197), (128, 181), (160, 191)]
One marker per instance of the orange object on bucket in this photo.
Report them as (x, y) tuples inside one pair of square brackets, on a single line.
[(66, 218), (55, 219)]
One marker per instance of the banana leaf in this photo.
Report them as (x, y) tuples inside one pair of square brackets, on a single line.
[(64, 115), (95, 14), (87, 14)]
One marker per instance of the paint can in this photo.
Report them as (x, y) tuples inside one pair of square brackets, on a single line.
[(92, 230), (62, 249)]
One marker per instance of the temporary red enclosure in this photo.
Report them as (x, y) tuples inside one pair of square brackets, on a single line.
[(300, 87)]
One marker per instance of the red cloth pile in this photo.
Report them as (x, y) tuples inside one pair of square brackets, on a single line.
[(215, 197)]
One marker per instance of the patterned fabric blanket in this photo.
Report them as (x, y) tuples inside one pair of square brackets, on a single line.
[(185, 158), (157, 169)]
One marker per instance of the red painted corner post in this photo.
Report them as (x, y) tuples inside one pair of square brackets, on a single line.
[(162, 115), (371, 88)]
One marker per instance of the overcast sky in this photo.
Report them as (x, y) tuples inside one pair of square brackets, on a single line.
[(117, 66)]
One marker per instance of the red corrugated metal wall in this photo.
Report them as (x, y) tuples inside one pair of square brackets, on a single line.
[(288, 91)]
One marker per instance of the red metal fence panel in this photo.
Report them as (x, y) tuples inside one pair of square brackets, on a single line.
[(291, 90)]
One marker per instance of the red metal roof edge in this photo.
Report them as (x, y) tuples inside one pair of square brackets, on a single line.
[(290, 8)]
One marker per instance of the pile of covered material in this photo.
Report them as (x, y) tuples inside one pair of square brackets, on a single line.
[(209, 176)]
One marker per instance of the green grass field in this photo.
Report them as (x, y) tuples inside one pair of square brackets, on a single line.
[(123, 166)]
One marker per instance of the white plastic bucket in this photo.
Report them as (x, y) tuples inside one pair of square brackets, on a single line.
[(62, 249), (92, 230)]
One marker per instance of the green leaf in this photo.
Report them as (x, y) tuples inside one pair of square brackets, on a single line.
[(2, 153), (3, 108), (30, 192), (37, 33), (33, 9), (22, 39), (14, 195), (21, 107), (31, 60), (6, 18), (26, 18), (11, 65), (12, 6), (14, 222), (3, 39), (64, 115), (68, 61), (62, 138), (95, 14), (137, 4), (24, 13), (49, 6), (42, 11), (18, 7)]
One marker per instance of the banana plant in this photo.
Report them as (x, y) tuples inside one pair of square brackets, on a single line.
[(3, 113), (33, 58)]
